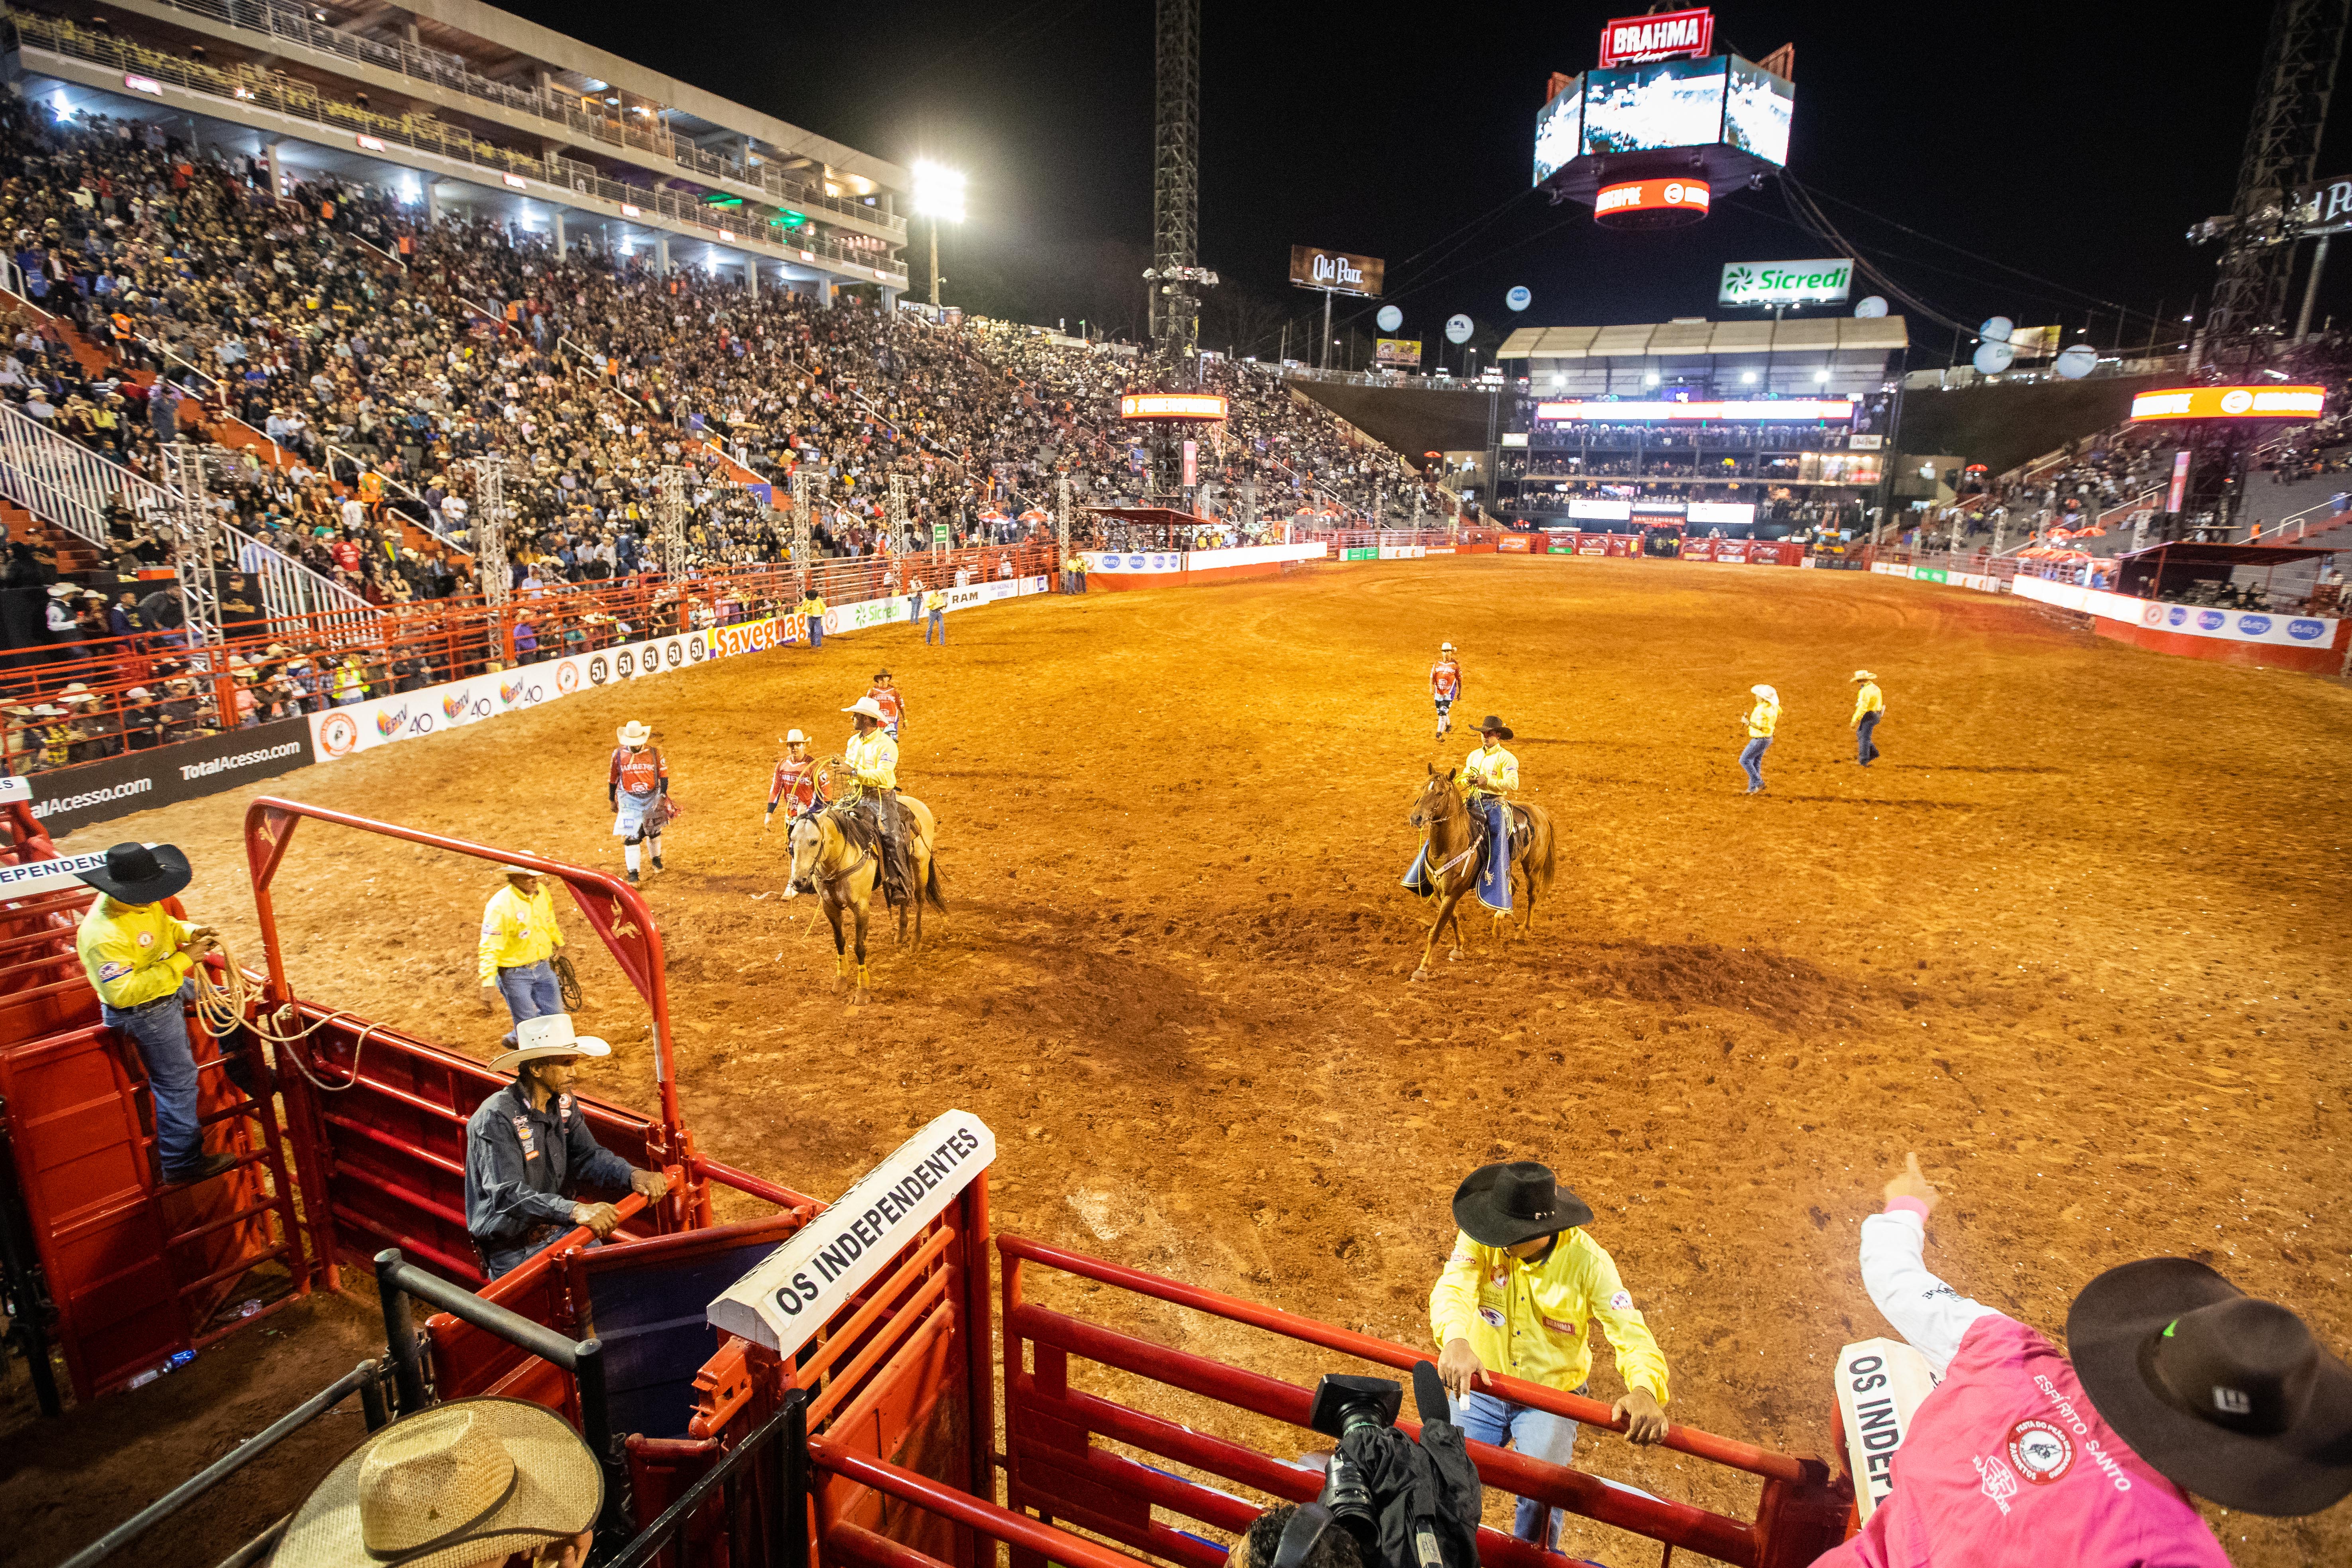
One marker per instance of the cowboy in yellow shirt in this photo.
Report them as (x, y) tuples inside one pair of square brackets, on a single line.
[(138, 959), (935, 616), (1762, 720), (872, 758), (1488, 775), (1515, 1297), (516, 955), (1869, 708), (812, 617)]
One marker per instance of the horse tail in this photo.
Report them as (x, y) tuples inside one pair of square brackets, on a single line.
[(931, 888), (1543, 853)]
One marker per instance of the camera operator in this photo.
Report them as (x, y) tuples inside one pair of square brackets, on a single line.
[(1388, 1501), (1515, 1297)]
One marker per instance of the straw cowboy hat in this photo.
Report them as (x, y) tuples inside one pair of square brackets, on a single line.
[(870, 709), (1767, 693), (1445, 648), (548, 1036), (136, 874), (1864, 675), (2223, 1393), (459, 1484), (1502, 1206), (795, 738), (633, 733)]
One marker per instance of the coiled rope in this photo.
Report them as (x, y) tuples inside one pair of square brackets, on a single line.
[(223, 1007)]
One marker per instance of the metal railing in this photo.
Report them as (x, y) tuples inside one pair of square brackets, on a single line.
[(266, 90), (291, 24), (62, 481)]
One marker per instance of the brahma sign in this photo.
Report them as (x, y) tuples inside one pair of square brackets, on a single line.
[(1632, 40)]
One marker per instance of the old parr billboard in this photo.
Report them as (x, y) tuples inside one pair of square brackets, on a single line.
[(1336, 270)]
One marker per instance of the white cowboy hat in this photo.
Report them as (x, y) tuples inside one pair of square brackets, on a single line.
[(551, 1035), (868, 707), (1767, 693), (633, 733), (1445, 648), (517, 871), (1864, 675), (793, 737), (461, 1483)]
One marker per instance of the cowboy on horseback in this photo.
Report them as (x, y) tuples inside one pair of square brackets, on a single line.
[(872, 759), (1488, 775)]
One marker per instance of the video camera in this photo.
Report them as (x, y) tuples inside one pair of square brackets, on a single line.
[(1405, 1504)]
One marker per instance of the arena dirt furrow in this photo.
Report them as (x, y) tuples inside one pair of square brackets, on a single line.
[(2077, 940)]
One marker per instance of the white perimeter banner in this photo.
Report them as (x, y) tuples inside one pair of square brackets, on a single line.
[(1201, 560), (379, 720), (904, 608), (2188, 620)]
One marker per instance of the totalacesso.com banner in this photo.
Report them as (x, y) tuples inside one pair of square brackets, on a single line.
[(379, 720)]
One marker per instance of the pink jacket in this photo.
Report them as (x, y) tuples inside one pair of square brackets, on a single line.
[(2006, 1462)]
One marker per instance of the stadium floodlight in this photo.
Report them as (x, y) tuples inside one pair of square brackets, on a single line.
[(939, 194), (1820, 375), (1748, 377), (1651, 379)]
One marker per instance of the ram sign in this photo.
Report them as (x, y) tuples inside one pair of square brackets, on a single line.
[(1822, 283)]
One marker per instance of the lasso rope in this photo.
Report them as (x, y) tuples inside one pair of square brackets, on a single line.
[(232, 1006)]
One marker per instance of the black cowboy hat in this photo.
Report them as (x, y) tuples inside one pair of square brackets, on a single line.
[(1502, 1206), (1492, 725), (134, 874), (2222, 1393), (881, 675)]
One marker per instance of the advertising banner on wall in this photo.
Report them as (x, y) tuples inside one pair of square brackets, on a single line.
[(1826, 281), (187, 770), (1397, 352), (1338, 270)]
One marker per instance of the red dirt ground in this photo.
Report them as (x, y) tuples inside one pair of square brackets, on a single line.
[(2073, 941)]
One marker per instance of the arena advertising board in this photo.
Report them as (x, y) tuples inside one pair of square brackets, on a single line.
[(1662, 35), (1826, 281), (2229, 403), (2324, 207), (1397, 352), (907, 608), (187, 770), (2183, 620), (1792, 408), (795, 1290), (1340, 271)]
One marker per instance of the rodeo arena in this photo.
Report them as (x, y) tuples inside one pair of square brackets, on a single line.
[(664, 903)]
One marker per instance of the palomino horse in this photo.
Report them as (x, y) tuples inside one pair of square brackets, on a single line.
[(845, 875), (1451, 860)]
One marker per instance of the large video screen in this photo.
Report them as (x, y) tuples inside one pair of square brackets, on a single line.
[(1559, 129), (1644, 107), (1757, 113)]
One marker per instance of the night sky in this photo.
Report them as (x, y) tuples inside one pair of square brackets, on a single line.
[(2075, 144)]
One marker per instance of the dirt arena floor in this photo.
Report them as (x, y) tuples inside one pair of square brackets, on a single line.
[(2078, 940)]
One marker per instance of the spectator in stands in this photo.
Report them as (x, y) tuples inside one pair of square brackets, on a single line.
[(140, 959), (2177, 1383), (1516, 1296)]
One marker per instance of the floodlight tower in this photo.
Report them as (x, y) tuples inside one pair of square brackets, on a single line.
[(2281, 152), (1176, 270)]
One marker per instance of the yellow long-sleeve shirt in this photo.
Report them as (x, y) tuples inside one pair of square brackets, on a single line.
[(516, 931), (131, 951), (1761, 720), (873, 758), (1490, 768), (1866, 700), (1527, 1318)]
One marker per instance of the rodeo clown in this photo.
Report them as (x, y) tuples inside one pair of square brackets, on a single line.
[(528, 1148), (1445, 686), (638, 790), (794, 785)]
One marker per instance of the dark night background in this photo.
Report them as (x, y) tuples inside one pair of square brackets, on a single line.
[(2074, 142)]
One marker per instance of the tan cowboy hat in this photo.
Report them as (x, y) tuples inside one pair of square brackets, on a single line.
[(1445, 648), (633, 733), (461, 1483), (870, 709), (551, 1035), (795, 738), (517, 871), (1864, 675), (1767, 693)]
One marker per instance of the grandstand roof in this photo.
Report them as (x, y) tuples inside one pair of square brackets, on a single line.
[(2190, 552), (551, 48), (1816, 334)]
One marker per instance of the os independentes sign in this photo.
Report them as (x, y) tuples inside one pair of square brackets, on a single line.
[(1823, 282)]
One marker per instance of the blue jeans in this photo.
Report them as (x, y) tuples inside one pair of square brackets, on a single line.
[(1751, 757), (1866, 750), (1537, 1434), (937, 623), (530, 992), (816, 630), (160, 1029)]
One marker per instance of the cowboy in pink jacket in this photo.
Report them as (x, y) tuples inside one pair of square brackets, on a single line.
[(2178, 1382)]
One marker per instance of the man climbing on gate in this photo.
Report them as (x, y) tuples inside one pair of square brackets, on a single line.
[(872, 757), (1488, 775)]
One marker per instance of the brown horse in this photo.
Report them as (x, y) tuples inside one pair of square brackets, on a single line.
[(1449, 843), (828, 861)]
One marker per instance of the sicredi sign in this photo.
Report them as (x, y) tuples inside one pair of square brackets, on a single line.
[(1338, 271), (1823, 282), (795, 1290), (1631, 40)]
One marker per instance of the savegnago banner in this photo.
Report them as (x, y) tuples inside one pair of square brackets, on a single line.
[(379, 720)]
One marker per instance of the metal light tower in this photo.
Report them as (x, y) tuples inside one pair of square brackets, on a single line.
[(808, 490), (1176, 272), (901, 536), (193, 535), (1061, 519), (490, 527), (2281, 152), (671, 501)]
